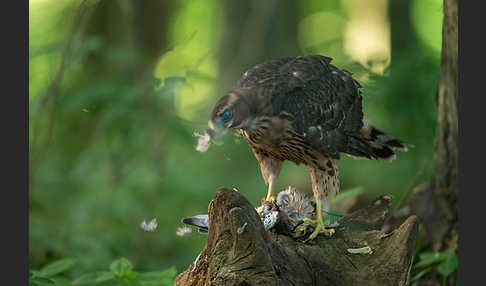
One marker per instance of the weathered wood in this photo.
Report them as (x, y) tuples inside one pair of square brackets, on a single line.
[(253, 256), (437, 204)]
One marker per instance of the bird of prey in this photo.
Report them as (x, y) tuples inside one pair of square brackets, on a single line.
[(307, 111)]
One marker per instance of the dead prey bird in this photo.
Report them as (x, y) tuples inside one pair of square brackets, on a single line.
[(286, 215), (307, 111)]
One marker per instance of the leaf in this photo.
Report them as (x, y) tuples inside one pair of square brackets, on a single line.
[(165, 277), (34, 280), (94, 278), (57, 267), (121, 266), (422, 273), (448, 266), (128, 282), (362, 250), (61, 281), (41, 280), (428, 258), (130, 274), (347, 194), (334, 216)]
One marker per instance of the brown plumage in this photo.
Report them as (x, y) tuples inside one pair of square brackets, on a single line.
[(304, 110)]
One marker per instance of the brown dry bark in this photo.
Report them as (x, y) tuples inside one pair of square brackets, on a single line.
[(256, 256), (436, 205)]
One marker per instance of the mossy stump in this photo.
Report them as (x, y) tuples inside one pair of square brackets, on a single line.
[(254, 256)]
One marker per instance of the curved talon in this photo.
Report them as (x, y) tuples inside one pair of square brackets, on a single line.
[(319, 227), (299, 224), (300, 229)]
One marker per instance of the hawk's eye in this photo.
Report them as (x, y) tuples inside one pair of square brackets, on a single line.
[(226, 115)]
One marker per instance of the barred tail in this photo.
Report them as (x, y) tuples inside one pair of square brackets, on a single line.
[(375, 144)]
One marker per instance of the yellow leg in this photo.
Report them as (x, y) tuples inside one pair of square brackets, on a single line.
[(270, 196), (318, 223)]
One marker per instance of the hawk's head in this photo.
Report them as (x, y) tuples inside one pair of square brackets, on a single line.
[(232, 110)]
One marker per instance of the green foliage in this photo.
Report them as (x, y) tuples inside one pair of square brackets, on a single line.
[(120, 273), (427, 18), (445, 263), (57, 267), (165, 277), (354, 192), (336, 215), (36, 280), (113, 147), (94, 278), (122, 268)]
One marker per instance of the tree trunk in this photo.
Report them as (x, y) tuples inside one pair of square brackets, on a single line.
[(239, 251), (446, 156), (403, 35), (137, 28), (437, 204), (253, 32)]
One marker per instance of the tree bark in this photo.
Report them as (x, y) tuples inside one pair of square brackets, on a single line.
[(239, 251), (436, 206), (446, 158)]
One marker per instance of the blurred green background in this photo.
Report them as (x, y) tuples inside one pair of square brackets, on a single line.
[(117, 89)]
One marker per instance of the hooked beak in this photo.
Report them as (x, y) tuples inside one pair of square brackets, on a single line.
[(216, 130)]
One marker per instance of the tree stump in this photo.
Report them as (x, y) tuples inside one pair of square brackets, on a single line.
[(239, 251)]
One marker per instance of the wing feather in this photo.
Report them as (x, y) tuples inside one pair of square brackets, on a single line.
[(324, 101)]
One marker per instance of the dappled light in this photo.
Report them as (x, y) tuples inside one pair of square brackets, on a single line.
[(367, 34), (427, 18), (121, 92)]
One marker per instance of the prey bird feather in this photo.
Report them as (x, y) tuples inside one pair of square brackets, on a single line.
[(290, 203)]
